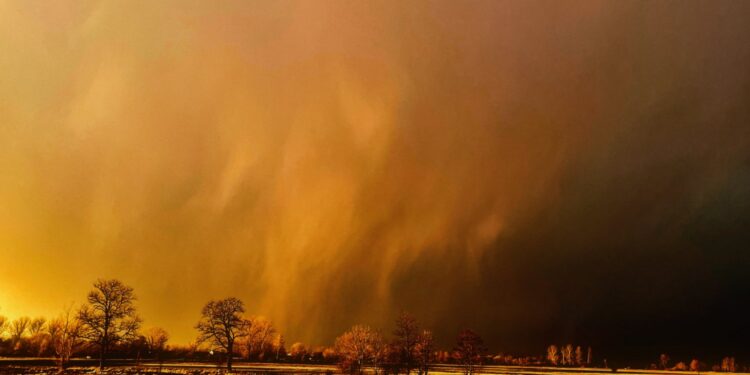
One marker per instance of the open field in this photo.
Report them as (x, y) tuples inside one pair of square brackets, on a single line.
[(82, 366)]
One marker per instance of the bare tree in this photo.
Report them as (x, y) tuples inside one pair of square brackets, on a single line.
[(357, 347), (3, 325), (552, 355), (156, 340), (278, 346), (18, 328), (298, 351), (39, 339), (259, 336), (567, 355), (388, 359), (37, 325), (469, 350), (425, 351), (728, 364), (579, 356), (407, 336), (663, 361), (66, 336), (222, 324), (695, 365), (109, 315), (137, 345)]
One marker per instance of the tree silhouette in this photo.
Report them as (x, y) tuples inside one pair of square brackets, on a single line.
[(18, 328), (37, 325), (298, 351), (407, 337), (109, 315), (3, 325), (567, 355), (663, 361), (695, 365), (552, 355), (278, 346), (222, 324), (425, 351), (156, 340), (469, 350), (66, 334), (259, 336), (358, 346)]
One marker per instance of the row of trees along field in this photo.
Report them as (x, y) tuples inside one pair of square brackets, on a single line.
[(107, 326), (566, 355), (727, 364), (223, 327)]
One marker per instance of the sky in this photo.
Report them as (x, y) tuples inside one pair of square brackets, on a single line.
[(539, 171)]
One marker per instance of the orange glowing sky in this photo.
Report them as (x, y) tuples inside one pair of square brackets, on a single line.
[(330, 162)]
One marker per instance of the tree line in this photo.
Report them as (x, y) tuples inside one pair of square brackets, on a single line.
[(727, 364), (107, 326), (223, 326)]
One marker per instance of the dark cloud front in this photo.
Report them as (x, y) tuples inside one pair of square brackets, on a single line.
[(640, 246)]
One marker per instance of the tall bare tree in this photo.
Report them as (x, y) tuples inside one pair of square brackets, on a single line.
[(3, 325), (259, 337), (18, 328), (425, 351), (298, 351), (567, 355), (695, 365), (39, 339), (469, 350), (156, 340), (357, 347), (109, 315), (552, 355), (728, 364), (278, 346), (67, 334), (222, 324), (407, 337), (579, 356), (37, 325)]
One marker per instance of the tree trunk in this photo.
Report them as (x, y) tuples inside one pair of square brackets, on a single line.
[(101, 357), (105, 340), (230, 348)]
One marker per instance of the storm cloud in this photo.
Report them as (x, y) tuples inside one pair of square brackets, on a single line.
[(539, 171)]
